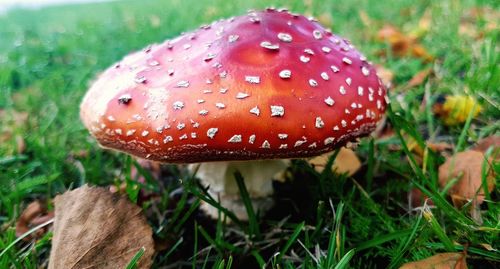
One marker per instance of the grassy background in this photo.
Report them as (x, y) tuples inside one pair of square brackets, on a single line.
[(48, 57)]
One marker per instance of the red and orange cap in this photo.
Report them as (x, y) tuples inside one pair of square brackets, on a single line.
[(268, 84)]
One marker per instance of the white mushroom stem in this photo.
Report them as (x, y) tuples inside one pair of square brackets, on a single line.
[(222, 186)]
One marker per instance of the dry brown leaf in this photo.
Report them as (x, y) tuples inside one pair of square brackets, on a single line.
[(466, 166), (401, 44), (416, 198), (94, 228), (33, 215), (385, 75), (448, 260), (491, 141), (419, 78), (346, 162)]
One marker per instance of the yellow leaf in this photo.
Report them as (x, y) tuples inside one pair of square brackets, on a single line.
[(346, 162)]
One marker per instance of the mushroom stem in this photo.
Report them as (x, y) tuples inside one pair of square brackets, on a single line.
[(257, 175)]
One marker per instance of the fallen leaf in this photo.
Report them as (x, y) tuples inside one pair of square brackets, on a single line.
[(385, 75), (33, 215), (448, 260), (12, 126), (418, 78), (94, 228), (456, 108), (402, 45), (346, 162), (491, 141), (488, 247), (467, 168)]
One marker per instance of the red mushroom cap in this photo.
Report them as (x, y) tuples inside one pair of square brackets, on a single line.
[(265, 85)]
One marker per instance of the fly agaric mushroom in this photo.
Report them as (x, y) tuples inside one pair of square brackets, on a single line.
[(264, 86)]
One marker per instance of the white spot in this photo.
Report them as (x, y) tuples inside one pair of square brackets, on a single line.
[(255, 110), (285, 74), (283, 146), (186, 46), (354, 105), (360, 91), (347, 60), (379, 104), (304, 59), (266, 145), (223, 90), (359, 117), (252, 79), (344, 123), (211, 132), (329, 140), (199, 101), (370, 97), (335, 69), (140, 79), (347, 111), (312, 146), (326, 49), (269, 45), (317, 34), (154, 63), (233, 38), (285, 37), (167, 139), (342, 90), (183, 84), (348, 81), (111, 118), (387, 100), (118, 131), (313, 83), (145, 133), (365, 71), (325, 76), (184, 136), (251, 139), (207, 91), (309, 51), (277, 111), (220, 105), (193, 135), (242, 95), (299, 143), (235, 139), (130, 132), (319, 123), (209, 57), (203, 112), (329, 101), (282, 136), (181, 126), (178, 105), (336, 128)]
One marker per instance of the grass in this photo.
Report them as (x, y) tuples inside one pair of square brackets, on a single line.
[(49, 57)]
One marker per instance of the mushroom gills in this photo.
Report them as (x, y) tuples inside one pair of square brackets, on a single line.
[(222, 186)]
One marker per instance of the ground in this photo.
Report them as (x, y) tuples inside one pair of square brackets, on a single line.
[(48, 58)]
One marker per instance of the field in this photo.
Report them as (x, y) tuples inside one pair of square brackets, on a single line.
[(427, 51)]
